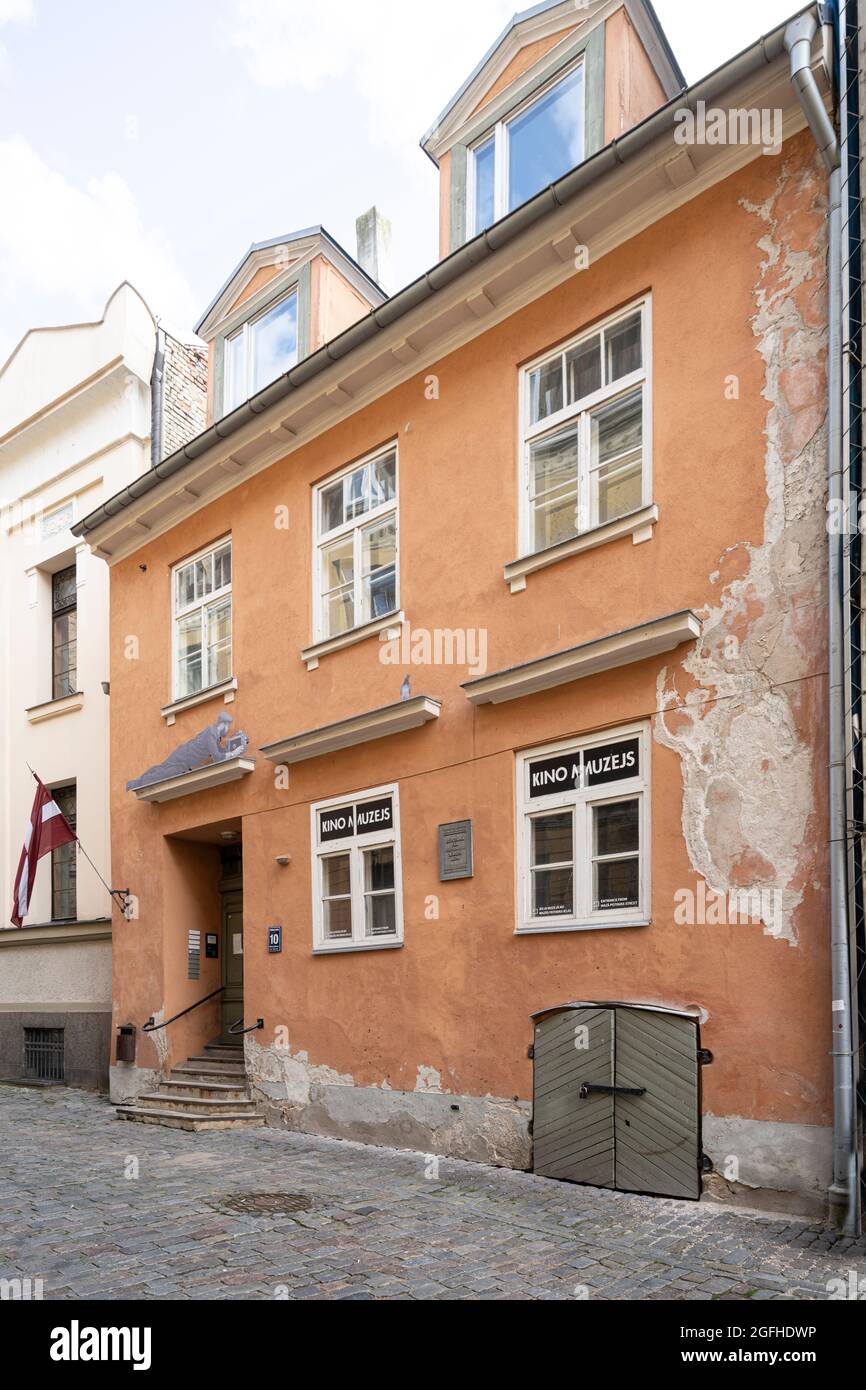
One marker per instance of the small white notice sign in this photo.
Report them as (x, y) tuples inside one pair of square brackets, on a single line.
[(237, 943)]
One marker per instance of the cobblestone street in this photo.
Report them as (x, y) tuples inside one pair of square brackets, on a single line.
[(370, 1223)]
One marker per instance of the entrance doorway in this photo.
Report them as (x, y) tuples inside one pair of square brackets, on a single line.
[(231, 886)]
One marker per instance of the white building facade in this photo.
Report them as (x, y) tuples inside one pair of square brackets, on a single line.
[(77, 422)]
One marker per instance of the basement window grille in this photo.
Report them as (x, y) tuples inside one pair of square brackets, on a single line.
[(43, 1054)]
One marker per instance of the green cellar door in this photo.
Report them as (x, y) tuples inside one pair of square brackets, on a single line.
[(617, 1099)]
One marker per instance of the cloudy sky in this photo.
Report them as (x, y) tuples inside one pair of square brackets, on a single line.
[(154, 140)]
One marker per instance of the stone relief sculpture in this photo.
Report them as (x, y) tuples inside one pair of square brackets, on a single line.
[(212, 745)]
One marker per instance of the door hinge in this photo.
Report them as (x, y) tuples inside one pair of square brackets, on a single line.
[(707, 1165), (705, 1056), (530, 1052)]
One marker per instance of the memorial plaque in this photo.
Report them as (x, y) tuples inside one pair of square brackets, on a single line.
[(455, 850)]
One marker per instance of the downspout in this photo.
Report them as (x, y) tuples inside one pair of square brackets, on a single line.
[(157, 382), (843, 1192)]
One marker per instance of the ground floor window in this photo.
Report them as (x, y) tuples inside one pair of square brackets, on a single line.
[(357, 890), (43, 1054), (583, 842), (63, 862)]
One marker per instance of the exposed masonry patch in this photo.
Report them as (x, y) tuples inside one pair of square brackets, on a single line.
[(730, 711), (317, 1100), (160, 1041), (428, 1079)]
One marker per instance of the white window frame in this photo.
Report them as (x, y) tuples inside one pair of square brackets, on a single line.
[(580, 803), (179, 612), (355, 845), (324, 539), (500, 133), (245, 333), (581, 411)]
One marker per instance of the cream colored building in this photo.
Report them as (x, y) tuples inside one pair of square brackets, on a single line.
[(77, 423)]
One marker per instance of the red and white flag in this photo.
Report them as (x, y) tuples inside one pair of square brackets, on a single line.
[(48, 829)]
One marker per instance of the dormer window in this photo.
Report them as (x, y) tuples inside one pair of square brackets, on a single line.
[(530, 149), (261, 350)]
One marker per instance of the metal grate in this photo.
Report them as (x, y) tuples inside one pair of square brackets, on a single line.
[(264, 1203), (43, 1054)]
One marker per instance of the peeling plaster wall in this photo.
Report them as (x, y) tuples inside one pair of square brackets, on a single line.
[(316, 1100), (731, 710)]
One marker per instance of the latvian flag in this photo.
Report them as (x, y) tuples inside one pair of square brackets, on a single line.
[(48, 829)]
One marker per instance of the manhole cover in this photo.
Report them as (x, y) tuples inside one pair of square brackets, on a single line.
[(264, 1203)]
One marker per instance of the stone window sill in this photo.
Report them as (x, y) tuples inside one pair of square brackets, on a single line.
[(311, 655), (357, 946), (639, 525), (51, 709), (581, 926), (226, 689)]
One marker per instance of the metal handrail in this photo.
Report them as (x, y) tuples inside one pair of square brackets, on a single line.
[(151, 1027), (236, 1032)]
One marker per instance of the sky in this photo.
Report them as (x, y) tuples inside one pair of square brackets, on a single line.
[(155, 140)]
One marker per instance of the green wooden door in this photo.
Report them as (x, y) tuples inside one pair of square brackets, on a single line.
[(574, 1139), (232, 958), (617, 1099)]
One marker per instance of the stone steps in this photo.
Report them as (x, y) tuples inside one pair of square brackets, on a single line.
[(179, 1119), (199, 1105), (207, 1091), (217, 1071)]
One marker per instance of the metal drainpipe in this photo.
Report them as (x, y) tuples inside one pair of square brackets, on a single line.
[(843, 1192)]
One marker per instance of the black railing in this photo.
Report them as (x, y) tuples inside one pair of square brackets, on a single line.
[(151, 1027), (236, 1031)]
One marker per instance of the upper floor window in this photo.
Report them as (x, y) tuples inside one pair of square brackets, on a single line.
[(202, 598), (586, 430), (355, 575), (64, 626), (260, 351), (532, 148)]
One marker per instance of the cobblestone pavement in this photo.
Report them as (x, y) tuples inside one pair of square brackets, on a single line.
[(376, 1227)]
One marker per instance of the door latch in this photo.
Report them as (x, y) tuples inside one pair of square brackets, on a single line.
[(589, 1087)]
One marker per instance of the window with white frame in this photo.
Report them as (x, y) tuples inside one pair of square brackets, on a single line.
[(583, 841), (202, 598), (356, 537), (260, 351), (357, 890), (530, 149), (586, 431)]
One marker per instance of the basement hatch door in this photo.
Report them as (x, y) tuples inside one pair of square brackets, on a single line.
[(616, 1098)]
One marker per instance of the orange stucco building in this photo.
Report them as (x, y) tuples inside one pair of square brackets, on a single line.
[(513, 586)]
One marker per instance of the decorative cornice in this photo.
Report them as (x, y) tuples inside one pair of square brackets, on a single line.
[(55, 933), (201, 779), (602, 654), (359, 728)]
